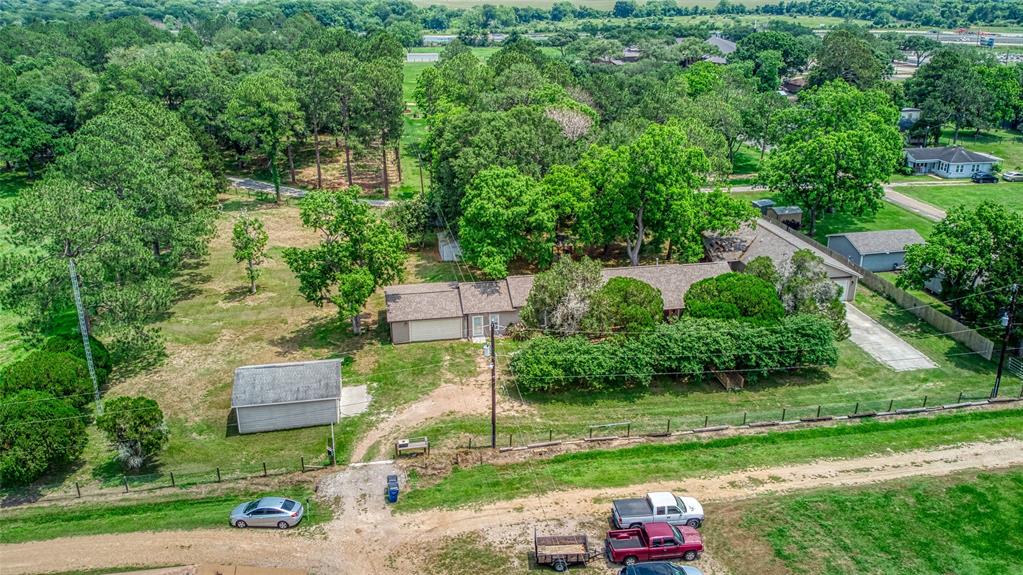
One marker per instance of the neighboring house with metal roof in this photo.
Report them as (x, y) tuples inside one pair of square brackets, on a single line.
[(777, 243), (881, 251), (949, 161), (425, 312), (286, 395)]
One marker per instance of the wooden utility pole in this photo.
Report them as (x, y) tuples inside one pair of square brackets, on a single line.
[(493, 386), (1005, 340)]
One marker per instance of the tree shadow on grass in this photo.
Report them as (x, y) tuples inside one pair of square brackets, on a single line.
[(329, 334), (236, 294), (910, 328)]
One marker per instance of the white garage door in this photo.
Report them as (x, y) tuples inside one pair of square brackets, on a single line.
[(433, 329), (845, 284)]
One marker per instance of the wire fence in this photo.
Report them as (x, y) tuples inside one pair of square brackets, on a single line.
[(516, 436), (164, 479)]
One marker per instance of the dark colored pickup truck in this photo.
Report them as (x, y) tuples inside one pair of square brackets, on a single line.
[(653, 542)]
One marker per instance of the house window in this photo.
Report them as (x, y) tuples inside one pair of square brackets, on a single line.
[(477, 326)]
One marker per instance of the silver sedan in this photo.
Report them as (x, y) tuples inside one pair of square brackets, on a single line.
[(276, 512), (1013, 176)]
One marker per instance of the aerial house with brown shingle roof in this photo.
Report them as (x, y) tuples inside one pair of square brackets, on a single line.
[(425, 312)]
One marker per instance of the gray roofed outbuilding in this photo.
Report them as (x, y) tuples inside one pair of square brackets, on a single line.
[(286, 395), (409, 302), (882, 242), (286, 382)]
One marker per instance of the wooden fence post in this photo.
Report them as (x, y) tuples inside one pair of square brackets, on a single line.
[(78, 490), (218, 475), (628, 429), (960, 400), (302, 459), (264, 469), (669, 427), (925, 402), (783, 414), (172, 478), (744, 418), (890, 405), (706, 420), (125, 483), (818, 412), (857, 410)]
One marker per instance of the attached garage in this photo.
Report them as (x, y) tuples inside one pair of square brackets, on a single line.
[(424, 312), (848, 287), (434, 329), (286, 395)]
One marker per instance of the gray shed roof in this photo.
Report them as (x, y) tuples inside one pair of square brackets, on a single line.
[(786, 210), (485, 297), (763, 203), (882, 242), (409, 302), (673, 280), (950, 155), (286, 382)]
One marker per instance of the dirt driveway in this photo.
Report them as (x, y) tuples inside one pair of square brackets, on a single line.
[(365, 537)]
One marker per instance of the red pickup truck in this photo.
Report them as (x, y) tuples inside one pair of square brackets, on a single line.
[(653, 542)]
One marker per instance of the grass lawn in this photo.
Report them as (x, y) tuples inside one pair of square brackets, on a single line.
[(747, 161), (965, 523), (925, 296), (1008, 194), (858, 378), (888, 217), (695, 458), (163, 514), (1005, 144), (215, 326)]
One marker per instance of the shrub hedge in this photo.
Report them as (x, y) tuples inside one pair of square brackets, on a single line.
[(688, 349)]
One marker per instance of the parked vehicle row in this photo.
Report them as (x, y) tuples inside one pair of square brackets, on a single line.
[(648, 533)]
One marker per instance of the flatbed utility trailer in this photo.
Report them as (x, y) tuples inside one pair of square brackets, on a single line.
[(560, 551)]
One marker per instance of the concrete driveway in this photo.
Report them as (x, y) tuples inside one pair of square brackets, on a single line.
[(882, 344)]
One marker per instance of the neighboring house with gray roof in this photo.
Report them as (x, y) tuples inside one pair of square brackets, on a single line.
[(778, 244), (724, 45), (286, 395), (949, 161), (424, 312), (881, 251)]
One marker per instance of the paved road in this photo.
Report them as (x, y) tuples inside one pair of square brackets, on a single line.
[(914, 205), (882, 344), (258, 186)]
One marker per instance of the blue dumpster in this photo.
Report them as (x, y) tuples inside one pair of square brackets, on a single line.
[(392, 488)]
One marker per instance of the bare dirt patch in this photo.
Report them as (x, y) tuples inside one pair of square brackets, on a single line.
[(458, 396), (366, 537)]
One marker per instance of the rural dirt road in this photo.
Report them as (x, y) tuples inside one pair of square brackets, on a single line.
[(365, 537)]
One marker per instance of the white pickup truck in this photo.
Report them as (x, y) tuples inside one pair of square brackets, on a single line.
[(661, 506)]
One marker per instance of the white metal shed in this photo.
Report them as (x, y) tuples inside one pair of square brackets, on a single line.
[(287, 395)]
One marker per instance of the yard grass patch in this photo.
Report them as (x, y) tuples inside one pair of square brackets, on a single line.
[(164, 514), (695, 458), (966, 523), (888, 217), (1008, 194)]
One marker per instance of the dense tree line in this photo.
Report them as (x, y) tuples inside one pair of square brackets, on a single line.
[(407, 17), (135, 123)]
